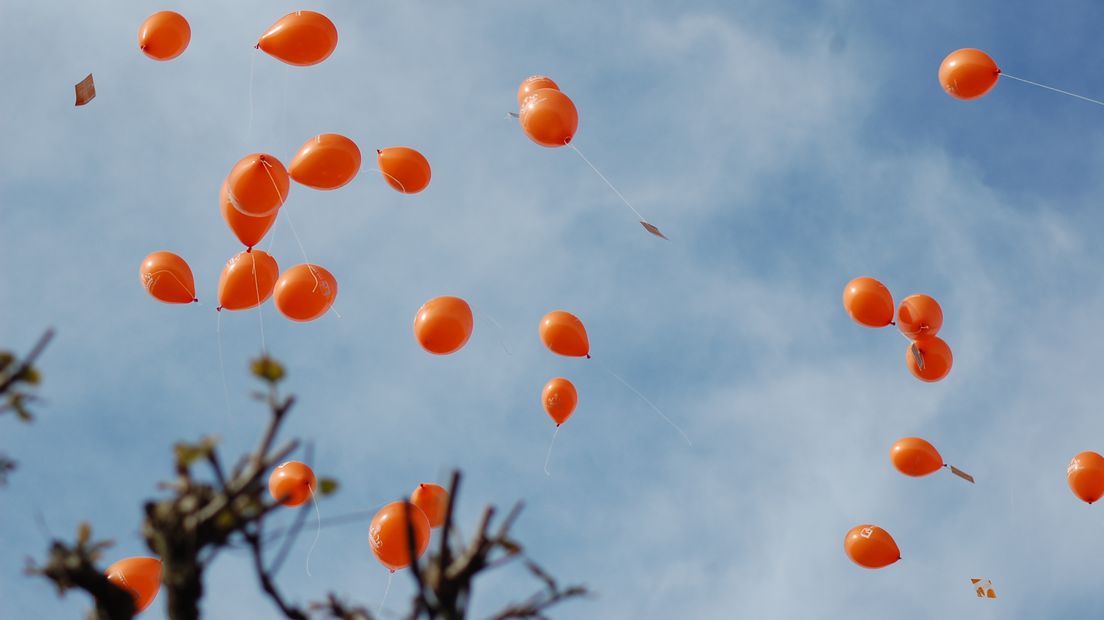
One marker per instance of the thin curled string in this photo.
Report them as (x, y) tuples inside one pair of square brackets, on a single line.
[(260, 315), (317, 529), (549, 456), (153, 281), (390, 575), (222, 364)]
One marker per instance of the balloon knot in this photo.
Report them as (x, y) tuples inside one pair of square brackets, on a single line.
[(249, 249), (219, 309), (588, 355), (195, 300), (257, 46), (379, 152)]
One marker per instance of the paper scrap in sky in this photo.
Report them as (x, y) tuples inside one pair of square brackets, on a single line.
[(86, 90)]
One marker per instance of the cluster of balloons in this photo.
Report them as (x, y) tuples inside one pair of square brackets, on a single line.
[(258, 184), (919, 318), (388, 532), (545, 113), (564, 334)]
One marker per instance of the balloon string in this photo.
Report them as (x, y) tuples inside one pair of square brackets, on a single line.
[(549, 456), (222, 364), (299, 242), (252, 68), (498, 326), (260, 315), (603, 177), (390, 575), (390, 177), (1057, 90), (268, 171), (645, 399), (317, 529)]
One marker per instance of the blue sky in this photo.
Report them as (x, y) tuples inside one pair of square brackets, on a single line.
[(784, 147)]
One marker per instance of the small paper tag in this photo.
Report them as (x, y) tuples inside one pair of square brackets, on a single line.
[(961, 474), (652, 229), (918, 356), (86, 90), (983, 590)]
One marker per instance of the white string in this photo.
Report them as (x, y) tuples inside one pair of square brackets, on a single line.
[(390, 177), (222, 364), (603, 177), (295, 234), (501, 331), (260, 316), (390, 575), (549, 457), (1057, 90), (650, 404), (317, 530), (252, 67)]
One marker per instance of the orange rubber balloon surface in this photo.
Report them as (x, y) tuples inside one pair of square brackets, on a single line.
[(919, 315), (387, 534), (532, 84), (292, 483), (258, 185), (913, 456), (937, 358), (549, 117), (559, 399), (443, 325), (968, 73), (164, 35), (868, 302), (870, 546), (1085, 476), (404, 169), (305, 292), (139, 576), (433, 500), (249, 230), (301, 38), (563, 333), (168, 278), (326, 161), (247, 280)]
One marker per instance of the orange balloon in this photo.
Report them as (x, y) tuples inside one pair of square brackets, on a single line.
[(868, 302), (168, 278), (404, 169), (305, 292), (563, 333), (968, 73), (870, 546), (919, 315), (443, 325), (292, 483), (249, 230), (301, 38), (387, 534), (559, 399), (534, 83), (1085, 475), (164, 35), (937, 358), (913, 456), (258, 185), (247, 280), (549, 117), (326, 161), (139, 576), (433, 500)]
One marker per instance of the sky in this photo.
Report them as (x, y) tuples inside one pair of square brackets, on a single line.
[(784, 147)]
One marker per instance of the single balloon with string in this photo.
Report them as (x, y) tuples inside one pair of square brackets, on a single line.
[(387, 534), (405, 169), (247, 280), (433, 499), (563, 333), (305, 292), (1085, 476), (929, 358), (292, 483), (325, 162), (868, 302), (443, 325), (168, 278), (870, 546), (301, 39), (257, 185), (164, 35)]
